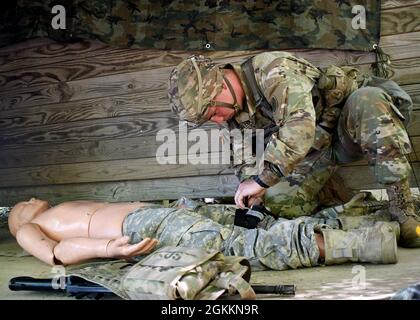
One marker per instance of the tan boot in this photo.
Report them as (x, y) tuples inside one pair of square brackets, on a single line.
[(375, 244), (355, 222), (402, 209)]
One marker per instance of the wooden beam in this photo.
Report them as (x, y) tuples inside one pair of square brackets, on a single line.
[(95, 108), (400, 20), (113, 170), (90, 130), (118, 191), (391, 4), (100, 150)]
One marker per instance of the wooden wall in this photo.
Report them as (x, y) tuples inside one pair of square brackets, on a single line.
[(79, 121)]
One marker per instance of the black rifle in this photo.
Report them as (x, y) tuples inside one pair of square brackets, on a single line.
[(79, 287)]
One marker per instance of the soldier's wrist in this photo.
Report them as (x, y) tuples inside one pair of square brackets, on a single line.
[(267, 178), (260, 182)]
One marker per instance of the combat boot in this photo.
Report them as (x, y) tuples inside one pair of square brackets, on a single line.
[(401, 208), (376, 244), (356, 222)]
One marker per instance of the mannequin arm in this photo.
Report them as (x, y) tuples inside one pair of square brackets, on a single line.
[(76, 250), (70, 251), (31, 238)]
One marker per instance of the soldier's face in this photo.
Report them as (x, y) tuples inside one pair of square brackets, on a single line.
[(219, 114)]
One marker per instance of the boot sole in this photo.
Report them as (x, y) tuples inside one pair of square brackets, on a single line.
[(415, 244)]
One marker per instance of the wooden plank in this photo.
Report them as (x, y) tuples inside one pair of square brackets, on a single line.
[(362, 177), (401, 46), (147, 168), (404, 71), (103, 107), (138, 190), (400, 20), (158, 189), (131, 60), (391, 4), (94, 108), (122, 61), (400, 40), (78, 152), (43, 51), (114, 170), (90, 130), (141, 146), (141, 81), (414, 91), (94, 140), (106, 129), (24, 45), (56, 53)]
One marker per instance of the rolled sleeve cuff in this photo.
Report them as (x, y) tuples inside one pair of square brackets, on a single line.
[(267, 178)]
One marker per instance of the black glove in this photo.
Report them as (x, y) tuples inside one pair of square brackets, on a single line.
[(250, 218)]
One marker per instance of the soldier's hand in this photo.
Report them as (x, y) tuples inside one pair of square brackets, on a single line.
[(248, 188), (121, 248), (256, 200)]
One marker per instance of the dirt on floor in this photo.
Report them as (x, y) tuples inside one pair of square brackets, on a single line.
[(349, 281)]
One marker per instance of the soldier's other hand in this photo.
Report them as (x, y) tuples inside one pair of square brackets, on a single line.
[(121, 248), (248, 188)]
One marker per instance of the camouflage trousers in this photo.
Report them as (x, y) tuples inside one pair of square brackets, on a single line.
[(369, 127), (281, 245)]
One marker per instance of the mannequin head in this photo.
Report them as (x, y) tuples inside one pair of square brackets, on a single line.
[(24, 212)]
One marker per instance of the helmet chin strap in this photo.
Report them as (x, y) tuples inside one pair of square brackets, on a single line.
[(233, 105)]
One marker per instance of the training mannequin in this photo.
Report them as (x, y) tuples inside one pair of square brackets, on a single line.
[(75, 231)]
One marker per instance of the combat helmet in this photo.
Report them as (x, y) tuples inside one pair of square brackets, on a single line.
[(192, 86)]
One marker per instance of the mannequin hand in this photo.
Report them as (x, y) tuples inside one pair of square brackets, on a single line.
[(248, 188), (121, 249)]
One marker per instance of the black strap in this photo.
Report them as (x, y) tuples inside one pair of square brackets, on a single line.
[(259, 99)]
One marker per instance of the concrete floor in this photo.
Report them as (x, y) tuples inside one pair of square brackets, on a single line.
[(332, 282)]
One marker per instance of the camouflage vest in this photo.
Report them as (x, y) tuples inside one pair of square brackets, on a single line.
[(329, 94), (172, 273)]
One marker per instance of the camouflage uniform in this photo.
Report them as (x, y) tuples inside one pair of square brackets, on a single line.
[(369, 127), (323, 121), (283, 244)]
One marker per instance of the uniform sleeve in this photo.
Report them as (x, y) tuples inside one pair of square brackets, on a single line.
[(289, 94)]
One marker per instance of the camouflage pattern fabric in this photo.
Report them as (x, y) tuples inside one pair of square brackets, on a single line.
[(345, 125), (371, 127), (4, 214), (284, 244), (191, 25), (172, 273), (410, 293), (192, 86), (286, 82)]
